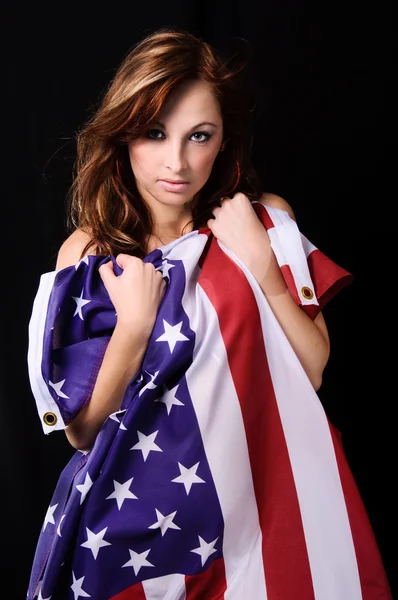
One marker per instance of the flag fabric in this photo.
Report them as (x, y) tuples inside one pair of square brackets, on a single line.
[(220, 477)]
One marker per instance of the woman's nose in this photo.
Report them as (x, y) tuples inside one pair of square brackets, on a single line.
[(175, 157)]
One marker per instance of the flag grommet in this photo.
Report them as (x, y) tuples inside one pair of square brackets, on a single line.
[(50, 418), (307, 292)]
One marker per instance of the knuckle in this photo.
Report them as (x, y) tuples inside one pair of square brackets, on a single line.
[(133, 262)]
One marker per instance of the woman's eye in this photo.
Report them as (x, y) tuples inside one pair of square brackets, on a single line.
[(153, 131), (204, 135), (153, 134)]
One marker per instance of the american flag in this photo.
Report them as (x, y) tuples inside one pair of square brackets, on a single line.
[(221, 475)]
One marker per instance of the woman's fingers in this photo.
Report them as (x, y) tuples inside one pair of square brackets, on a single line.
[(107, 273), (124, 259)]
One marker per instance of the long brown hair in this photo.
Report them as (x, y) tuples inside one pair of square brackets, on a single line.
[(104, 200)]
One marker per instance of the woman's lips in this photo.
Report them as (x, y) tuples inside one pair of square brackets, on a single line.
[(173, 187)]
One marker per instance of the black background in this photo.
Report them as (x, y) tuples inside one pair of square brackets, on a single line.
[(325, 141)]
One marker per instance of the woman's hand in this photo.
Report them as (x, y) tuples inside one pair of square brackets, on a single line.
[(136, 294), (239, 229)]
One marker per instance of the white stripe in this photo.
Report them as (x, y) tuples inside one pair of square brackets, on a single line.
[(291, 248), (44, 400), (220, 418), (324, 515), (307, 245), (169, 587)]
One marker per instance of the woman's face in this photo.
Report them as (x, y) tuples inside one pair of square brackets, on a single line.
[(181, 145)]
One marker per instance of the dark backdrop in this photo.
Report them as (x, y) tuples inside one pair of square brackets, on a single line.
[(324, 141)]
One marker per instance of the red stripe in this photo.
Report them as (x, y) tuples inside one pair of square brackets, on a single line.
[(263, 215), (374, 584), (285, 555), (328, 277), (211, 584), (134, 592), (289, 280)]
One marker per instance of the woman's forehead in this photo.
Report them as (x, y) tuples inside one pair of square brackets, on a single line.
[(194, 102)]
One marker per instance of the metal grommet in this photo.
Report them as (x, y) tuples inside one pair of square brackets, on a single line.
[(307, 292), (50, 418)]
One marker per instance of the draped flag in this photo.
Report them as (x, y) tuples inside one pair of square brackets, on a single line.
[(221, 475)]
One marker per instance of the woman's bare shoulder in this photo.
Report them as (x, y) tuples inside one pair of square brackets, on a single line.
[(275, 201), (71, 249)]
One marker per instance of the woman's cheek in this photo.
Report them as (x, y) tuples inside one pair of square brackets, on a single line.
[(140, 154), (207, 164)]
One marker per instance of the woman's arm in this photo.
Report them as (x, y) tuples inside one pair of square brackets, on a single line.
[(136, 295), (309, 339), (122, 359), (239, 229)]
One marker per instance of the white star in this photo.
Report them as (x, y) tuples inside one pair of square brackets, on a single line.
[(165, 268), (150, 385), (172, 334), (59, 525), (80, 302), (77, 589), (95, 541), (122, 492), (146, 444), (188, 477), (205, 550), (114, 416), (40, 597), (84, 487), (138, 560), (170, 400), (85, 260), (57, 388), (49, 518), (164, 522)]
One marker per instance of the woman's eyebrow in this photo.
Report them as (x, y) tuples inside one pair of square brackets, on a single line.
[(194, 127)]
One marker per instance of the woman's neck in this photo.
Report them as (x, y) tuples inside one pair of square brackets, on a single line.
[(167, 229)]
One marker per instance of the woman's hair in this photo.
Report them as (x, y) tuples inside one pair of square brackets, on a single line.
[(103, 198)]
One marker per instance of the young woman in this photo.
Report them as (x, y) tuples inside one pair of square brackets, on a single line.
[(180, 344)]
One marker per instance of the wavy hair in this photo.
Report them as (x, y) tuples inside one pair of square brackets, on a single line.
[(103, 198)]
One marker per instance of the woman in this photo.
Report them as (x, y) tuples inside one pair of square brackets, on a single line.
[(180, 343)]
